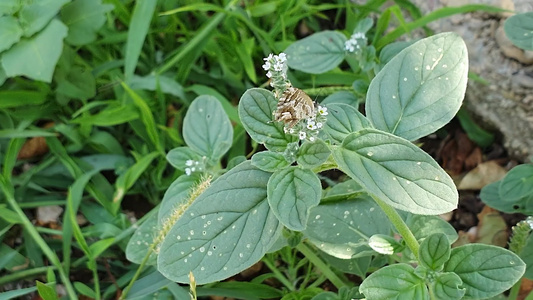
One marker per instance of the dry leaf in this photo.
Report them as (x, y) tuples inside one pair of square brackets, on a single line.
[(485, 173), (492, 229), (35, 146), (48, 214)]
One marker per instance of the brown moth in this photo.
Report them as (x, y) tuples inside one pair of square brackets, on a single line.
[(294, 105)]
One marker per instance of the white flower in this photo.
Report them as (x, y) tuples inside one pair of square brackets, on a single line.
[(266, 66), (291, 130), (189, 162), (302, 135), (322, 110), (311, 124), (319, 125), (282, 57), (188, 171), (312, 138)]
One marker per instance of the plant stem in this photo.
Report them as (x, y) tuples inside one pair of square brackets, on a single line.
[(23, 274), (7, 188), (278, 274), (400, 225), (139, 271), (513, 294), (321, 265)]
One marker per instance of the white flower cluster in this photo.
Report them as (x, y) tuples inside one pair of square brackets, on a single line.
[(276, 67), (312, 128), (193, 166), (356, 41)]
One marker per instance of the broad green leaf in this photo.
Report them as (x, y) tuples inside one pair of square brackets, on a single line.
[(342, 229), (269, 161), (255, 110), (490, 195), (207, 128), (178, 157), (518, 183), (394, 282), (292, 192), (175, 196), (344, 97), (36, 57), (527, 256), (153, 81), (141, 241), (137, 31), (85, 290), (342, 120), (227, 229), (397, 172), (358, 266), (11, 32), (46, 292), (312, 154), (9, 7), (424, 226), (519, 29), (485, 270), (317, 53), (447, 286), (77, 83), (84, 18), (434, 251), (145, 115), (35, 16), (421, 88), (391, 50)]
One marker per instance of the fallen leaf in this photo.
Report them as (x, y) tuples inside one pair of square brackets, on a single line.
[(485, 173), (492, 229), (48, 214), (525, 288), (35, 146)]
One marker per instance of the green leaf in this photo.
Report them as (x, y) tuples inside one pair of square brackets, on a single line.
[(394, 282), (46, 292), (344, 97), (76, 82), (490, 195), (10, 99), (357, 266), (447, 286), (424, 226), (342, 229), (485, 270), (527, 256), (11, 259), (391, 50), (384, 244), (421, 88), (342, 120), (36, 57), (269, 161), (9, 7), (207, 128), (35, 16), (141, 241), (317, 53), (112, 115), (434, 251), (153, 81), (178, 157), (138, 28), (518, 183), (255, 110), (84, 18), (313, 154), (175, 196), (227, 229), (519, 29), (11, 32), (292, 192), (397, 172), (83, 289)]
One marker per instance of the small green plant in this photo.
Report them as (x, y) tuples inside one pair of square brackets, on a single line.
[(220, 230)]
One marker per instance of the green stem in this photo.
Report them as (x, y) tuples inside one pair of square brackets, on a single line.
[(530, 296), (321, 265), (24, 274), (515, 290), (400, 225), (279, 276), (7, 188), (138, 272)]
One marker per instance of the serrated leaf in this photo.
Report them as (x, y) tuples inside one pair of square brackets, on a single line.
[(317, 53), (421, 88), (394, 282), (141, 241), (292, 192), (36, 57), (207, 129), (269, 161), (342, 120), (255, 110), (434, 251), (397, 172), (517, 184), (175, 196), (312, 154), (35, 16), (84, 18), (485, 270), (179, 156), (344, 97), (228, 228), (424, 226), (447, 286), (519, 29), (11, 32), (342, 229)]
